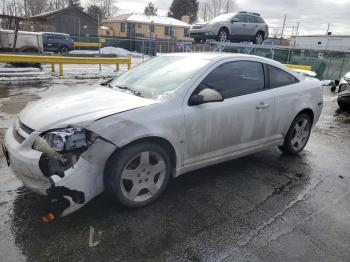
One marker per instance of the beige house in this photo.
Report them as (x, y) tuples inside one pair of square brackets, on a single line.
[(143, 26)]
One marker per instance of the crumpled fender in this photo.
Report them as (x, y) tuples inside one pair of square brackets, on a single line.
[(86, 176)]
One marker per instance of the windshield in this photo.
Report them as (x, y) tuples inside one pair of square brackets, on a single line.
[(224, 17), (158, 76)]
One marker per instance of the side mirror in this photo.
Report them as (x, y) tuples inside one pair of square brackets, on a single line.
[(234, 20), (207, 95)]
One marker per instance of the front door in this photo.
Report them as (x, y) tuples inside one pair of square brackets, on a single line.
[(237, 27), (242, 121)]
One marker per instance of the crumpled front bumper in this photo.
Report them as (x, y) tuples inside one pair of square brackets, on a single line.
[(80, 183)]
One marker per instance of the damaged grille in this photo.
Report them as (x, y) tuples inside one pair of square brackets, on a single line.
[(21, 131), (25, 128), (18, 137)]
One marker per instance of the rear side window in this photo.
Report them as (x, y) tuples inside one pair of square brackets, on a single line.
[(251, 19), (259, 20), (236, 78), (279, 77)]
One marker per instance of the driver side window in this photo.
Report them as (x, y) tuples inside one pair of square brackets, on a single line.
[(235, 79)]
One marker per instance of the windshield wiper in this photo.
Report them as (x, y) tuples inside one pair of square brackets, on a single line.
[(137, 93)]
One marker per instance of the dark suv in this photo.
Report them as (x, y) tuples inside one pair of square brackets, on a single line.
[(237, 27), (57, 42)]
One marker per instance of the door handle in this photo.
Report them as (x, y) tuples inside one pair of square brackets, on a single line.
[(262, 105)]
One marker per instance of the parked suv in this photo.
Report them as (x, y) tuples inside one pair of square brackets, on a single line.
[(57, 42), (241, 26)]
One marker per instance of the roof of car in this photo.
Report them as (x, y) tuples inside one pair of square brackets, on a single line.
[(55, 33), (222, 55), (214, 55)]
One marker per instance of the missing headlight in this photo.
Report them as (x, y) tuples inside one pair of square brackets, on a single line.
[(68, 144), (67, 139)]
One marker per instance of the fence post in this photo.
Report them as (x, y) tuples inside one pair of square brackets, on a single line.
[(117, 65), (53, 71), (129, 63), (342, 65), (60, 69)]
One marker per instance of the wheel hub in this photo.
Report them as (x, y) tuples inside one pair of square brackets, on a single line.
[(143, 176)]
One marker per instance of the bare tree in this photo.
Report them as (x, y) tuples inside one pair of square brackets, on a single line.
[(108, 7), (212, 8), (12, 7)]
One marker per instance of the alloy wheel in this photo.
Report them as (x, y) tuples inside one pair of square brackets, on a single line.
[(222, 36), (301, 133), (143, 176), (259, 39)]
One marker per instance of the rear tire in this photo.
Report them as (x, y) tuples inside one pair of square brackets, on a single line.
[(259, 38), (298, 135), (138, 174)]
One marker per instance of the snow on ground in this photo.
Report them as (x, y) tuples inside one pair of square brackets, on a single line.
[(108, 50)]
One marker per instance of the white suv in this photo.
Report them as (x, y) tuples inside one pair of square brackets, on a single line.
[(237, 27)]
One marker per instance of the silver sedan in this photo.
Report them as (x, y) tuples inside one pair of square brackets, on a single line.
[(170, 115)]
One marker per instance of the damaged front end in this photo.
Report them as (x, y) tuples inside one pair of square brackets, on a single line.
[(72, 160)]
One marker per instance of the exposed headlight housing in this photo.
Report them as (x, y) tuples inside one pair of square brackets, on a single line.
[(68, 139), (62, 148)]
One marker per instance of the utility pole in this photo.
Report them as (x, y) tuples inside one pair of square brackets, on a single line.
[(327, 29), (99, 41), (297, 31), (284, 24), (205, 11)]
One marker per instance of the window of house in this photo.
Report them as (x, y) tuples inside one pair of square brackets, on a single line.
[(139, 26), (151, 26), (186, 32), (236, 78), (167, 30), (279, 77), (122, 27)]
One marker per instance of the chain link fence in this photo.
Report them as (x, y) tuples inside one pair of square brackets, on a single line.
[(328, 65)]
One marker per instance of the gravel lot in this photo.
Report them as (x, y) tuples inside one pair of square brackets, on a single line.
[(264, 207)]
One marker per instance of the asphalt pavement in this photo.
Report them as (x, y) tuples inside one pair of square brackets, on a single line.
[(263, 207)]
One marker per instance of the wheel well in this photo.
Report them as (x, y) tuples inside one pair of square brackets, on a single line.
[(263, 33), (224, 28), (309, 112), (159, 141)]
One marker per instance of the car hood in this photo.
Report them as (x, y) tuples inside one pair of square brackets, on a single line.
[(80, 106)]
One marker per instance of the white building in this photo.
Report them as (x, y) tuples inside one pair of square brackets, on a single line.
[(322, 42)]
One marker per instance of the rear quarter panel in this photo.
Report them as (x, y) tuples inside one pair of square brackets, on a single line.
[(292, 99)]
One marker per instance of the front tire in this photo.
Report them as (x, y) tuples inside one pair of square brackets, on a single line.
[(222, 35), (64, 50), (138, 174), (298, 135)]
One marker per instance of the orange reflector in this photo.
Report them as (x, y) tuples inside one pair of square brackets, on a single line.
[(48, 217)]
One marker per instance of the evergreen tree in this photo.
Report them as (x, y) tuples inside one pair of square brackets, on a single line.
[(180, 8), (150, 9)]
